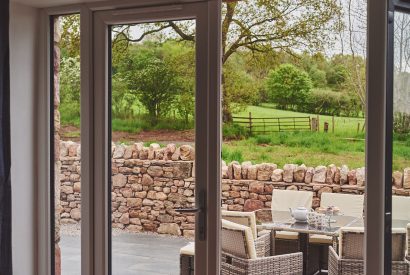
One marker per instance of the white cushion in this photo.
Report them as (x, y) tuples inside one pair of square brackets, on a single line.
[(401, 208), (286, 235), (189, 249), (244, 218), (250, 243), (350, 205), (282, 200), (320, 239)]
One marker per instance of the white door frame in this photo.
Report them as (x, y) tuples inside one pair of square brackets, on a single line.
[(376, 137), (207, 137), (94, 124), (376, 104)]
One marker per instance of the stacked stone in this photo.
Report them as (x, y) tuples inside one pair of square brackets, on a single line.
[(149, 183), (145, 192), (70, 182), (247, 187)]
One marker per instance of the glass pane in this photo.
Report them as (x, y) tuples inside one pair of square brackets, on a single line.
[(153, 113), (67, 167), (294, 101), (401, 137)]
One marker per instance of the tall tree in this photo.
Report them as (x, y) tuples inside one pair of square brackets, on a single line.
[(353, 30), (259, 26)]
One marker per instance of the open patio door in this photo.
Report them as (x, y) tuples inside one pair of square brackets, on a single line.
[(141, 190), (397, 202)]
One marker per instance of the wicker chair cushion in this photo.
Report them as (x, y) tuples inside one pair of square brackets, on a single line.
[(400, 208), (320, 239), (237, 239), (286, 235), (282, 200), (351, 244), (350, 205), (244, 218), (189, 249)]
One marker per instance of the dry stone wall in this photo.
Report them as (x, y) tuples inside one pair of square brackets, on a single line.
[(149, 183)]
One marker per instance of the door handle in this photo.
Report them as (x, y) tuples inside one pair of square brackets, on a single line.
[(187, 210), (201, 217)]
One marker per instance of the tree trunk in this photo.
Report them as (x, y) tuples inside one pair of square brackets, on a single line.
[(226, 110)]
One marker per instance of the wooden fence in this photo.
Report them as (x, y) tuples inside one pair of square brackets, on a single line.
[(257, 125)]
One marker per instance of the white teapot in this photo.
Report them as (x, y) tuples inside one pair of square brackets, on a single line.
[(300, 214)]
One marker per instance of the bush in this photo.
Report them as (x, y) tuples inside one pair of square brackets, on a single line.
[(70, 91), (289, 87), (318, 77), (401, 123), (233, 131), (327, 102), (337, 76)]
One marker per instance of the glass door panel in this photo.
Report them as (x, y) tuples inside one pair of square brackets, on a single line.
[(399, 98), (157, 140), (65, 125), (153, 146)]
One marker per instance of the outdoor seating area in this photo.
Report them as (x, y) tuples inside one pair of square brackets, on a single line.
[(292, 238)]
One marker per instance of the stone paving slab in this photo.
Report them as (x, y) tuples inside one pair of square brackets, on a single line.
[(136, 254)]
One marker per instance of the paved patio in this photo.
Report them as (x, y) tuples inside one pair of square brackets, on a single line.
[(142, 254)]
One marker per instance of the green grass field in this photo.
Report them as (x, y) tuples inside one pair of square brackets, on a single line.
[(309, 148), (345, 146), (344, 126)]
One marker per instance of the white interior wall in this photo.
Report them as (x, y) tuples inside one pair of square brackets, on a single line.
[(24, 33)]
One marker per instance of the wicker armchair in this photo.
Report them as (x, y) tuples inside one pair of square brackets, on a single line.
[(408, 242), (282, 200), (350, 258), (186, 259), (263, 242), (239, 256), (350, 205)]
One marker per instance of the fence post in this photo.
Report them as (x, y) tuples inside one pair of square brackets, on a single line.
[(264, 127), (250, 124), (279, 124), (358, 127), (333, 124), (318, 123)]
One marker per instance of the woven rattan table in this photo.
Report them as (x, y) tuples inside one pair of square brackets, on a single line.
[(283, 221)]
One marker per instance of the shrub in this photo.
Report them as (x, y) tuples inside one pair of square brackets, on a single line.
[(70, 91), (327, 102), (234, 131), (401, 123), (289, 87), (337, 75), (318, 77)]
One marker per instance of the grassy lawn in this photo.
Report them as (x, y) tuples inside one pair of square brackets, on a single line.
[(309, 148), (345, 146), (346, 126)]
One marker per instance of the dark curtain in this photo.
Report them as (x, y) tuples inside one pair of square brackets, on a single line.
[(5, 163)]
